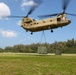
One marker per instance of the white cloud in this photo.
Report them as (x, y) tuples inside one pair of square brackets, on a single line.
[(8, 33), (27, 3), (4, 10)]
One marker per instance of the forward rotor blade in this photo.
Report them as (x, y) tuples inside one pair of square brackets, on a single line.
[(12, 16), (43, 16), (71, 14), (16, 16), (31, 10), (35, 5), (65, 5)]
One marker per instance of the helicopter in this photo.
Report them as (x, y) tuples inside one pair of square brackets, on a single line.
[(32, 25), (60, 20)]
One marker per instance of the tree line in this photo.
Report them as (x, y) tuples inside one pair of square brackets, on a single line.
[(68, 46)]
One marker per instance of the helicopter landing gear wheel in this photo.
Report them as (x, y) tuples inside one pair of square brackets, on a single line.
[(31, 33), (61, 26), (26, 30), (51, 31)]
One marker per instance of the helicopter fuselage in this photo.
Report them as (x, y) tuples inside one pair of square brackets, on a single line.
[(31, 25)]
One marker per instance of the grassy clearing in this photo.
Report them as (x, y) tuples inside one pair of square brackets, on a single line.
[(33, 64)]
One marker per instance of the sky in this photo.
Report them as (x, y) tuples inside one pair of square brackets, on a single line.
[(12, 34)]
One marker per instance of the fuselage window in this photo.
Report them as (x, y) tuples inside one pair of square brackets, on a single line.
[(43, 21), (24, 24), (58, 19), (50, 20), (31, 24), (34, 23)]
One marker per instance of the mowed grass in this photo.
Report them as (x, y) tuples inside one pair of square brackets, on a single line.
[(33, 64)]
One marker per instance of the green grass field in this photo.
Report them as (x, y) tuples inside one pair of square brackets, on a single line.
[(33, 64)]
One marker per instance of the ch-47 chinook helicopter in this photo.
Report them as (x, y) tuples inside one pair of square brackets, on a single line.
[(60, 20)]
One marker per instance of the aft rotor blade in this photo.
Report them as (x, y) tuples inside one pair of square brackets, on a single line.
[(65, 5), (43, 16), (71, 14)]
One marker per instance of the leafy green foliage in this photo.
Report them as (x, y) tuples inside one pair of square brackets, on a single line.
[(65, 47)]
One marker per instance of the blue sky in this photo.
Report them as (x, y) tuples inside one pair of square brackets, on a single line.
[(11, 33)]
